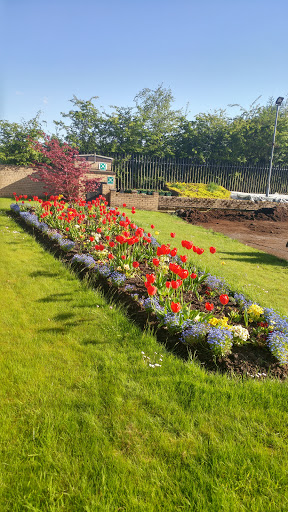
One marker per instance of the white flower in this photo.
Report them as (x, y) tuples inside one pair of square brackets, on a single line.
[(240, 332)]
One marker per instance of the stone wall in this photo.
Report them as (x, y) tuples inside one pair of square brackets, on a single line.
[(177, 203)]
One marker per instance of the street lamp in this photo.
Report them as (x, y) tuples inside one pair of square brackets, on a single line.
[(278, 103)]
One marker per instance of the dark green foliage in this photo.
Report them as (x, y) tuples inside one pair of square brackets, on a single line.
[(14, 141)]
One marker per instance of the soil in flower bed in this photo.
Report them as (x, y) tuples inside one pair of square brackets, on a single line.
[(265, 229), (245, 361)]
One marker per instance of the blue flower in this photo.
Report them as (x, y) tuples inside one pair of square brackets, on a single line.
[(30, 219), (219, 340), (193, 333), (276, 321), (54, 236), (117, 278), (86, 260), (242, 301), (66, 245), (278, 344), (152, 304), (104, 270), (216, 284), (15, 207)]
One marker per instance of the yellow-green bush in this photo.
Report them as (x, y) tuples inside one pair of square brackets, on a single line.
[(199, 190)]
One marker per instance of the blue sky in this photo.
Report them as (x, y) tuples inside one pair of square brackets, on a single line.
[(210, 53)]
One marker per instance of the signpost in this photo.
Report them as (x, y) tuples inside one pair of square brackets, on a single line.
[(102, 166), (110, 180)]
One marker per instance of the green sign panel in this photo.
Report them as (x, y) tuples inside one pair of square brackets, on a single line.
[(110, 180), (102, 166)]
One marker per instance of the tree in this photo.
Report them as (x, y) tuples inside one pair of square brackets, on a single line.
[(160, 122), (252, 134), (206, 138), (84, 131), (62, 171), (147, 128), (15, 147), (122, 131)]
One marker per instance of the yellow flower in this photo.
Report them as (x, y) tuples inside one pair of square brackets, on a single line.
[(156, 232), (221, 322), (213, 321), (254, 312)]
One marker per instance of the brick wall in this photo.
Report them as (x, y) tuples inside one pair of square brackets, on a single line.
[(15, 179), (140, 201)]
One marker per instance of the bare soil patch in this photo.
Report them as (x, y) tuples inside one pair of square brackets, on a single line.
[(265, 229)]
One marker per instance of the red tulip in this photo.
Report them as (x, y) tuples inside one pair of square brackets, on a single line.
[(209, 306), (175, 307), (168, 284), (91, 238), (135, 264), (152, 226), (224, 299), (150, 278), (110, 256), (155, 262), (212, 250), (172, 235), (183, 273), (151, 290), (193, 275), (124, 205), (183, 258)]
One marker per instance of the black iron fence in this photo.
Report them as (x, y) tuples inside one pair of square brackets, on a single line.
[(151, 173)]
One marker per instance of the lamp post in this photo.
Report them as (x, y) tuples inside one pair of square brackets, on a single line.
[(277, 103)]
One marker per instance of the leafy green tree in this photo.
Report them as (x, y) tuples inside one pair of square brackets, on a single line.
[(252, 134), (15, 147), (148, 127), (207, 138), (85, 128), (160, 122), (122, 132)]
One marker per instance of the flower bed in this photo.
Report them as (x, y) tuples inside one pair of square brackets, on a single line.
[(189, 308)]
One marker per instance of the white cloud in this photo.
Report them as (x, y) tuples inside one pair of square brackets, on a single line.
[(45, 100)]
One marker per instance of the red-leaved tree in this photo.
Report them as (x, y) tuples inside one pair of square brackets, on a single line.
[(62, 170)]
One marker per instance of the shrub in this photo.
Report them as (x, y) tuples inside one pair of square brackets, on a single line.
[(211, 190)]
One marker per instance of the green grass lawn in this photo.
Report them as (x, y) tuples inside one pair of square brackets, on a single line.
[(86, 424)]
